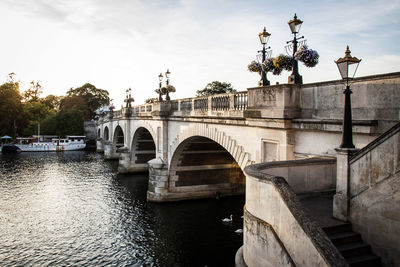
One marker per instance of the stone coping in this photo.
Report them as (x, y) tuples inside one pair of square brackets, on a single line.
[(317, 236), (337, 122), (379, 140), (334, 82)]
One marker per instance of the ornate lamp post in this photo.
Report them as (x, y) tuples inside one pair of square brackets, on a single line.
[(160, 77), (347, 67), (128, 100), (295, 25), (111, 108), (264, 37), (167, 74)]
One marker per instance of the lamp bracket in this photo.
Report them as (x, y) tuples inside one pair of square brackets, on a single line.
[(302, 42), (289, 47), (260, 51)]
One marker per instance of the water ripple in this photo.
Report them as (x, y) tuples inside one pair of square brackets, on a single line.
[(72, 209)]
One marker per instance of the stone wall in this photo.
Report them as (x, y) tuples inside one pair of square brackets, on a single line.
[(276, 229), (309, 176), (374, 98), (375, 195)]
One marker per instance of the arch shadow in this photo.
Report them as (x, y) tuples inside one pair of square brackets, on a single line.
[(201, 166), (106, 134)]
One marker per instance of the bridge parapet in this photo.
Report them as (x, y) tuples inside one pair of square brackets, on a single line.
[(221, 105), (277, 101)]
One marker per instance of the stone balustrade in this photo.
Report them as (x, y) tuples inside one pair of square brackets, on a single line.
[(228, 105), (274, 220), (368, 193)]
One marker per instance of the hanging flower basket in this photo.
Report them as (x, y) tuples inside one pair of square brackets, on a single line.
[(278, 64), (170, 88), (308, 56), (284, 62), (254, 67), (268, 65)]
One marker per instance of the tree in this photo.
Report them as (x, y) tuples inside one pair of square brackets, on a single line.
[(34, 112), (70, 122), (65, 122), (10, 107), (32, 94), (78, 102), (52, 101), (216, 87), (94, 97), (49, 125)]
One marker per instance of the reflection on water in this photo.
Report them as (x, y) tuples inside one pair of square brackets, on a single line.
[(73, 208)]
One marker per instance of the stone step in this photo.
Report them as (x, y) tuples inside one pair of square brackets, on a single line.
[(351, 246), (344, 238), (345, 227), (369, 260), (354, 249)]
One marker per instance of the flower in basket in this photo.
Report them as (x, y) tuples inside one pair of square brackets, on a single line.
[(308, 56), (254, 67), (284, 62), (170, 88), (268, 65), (277, 68)]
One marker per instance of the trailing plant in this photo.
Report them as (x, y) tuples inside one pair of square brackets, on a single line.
[(254, 67), (268, 65), (308, 56)]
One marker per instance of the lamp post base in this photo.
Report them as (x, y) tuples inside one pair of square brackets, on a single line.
[(295, 79)]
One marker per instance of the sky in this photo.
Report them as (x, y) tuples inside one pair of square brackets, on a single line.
[(121, 44)]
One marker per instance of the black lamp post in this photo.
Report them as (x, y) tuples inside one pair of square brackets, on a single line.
[(295, 25), (264, 37), (347, 67), (111, 108), (128, 98), (167, 74), (160, 77)]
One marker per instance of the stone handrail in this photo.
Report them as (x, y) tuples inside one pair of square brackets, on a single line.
[(382, 138), (374, 163), (372, 194), (271, 199)]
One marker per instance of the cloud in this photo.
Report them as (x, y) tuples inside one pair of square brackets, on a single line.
[(117, 44)]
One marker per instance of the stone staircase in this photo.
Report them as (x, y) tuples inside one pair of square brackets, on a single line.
[(351, 246)]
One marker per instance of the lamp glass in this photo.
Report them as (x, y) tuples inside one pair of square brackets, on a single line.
[(343, 69), (167, 74), (160, 77), (264, 36), (295, 28), (348, 65), (295, 24)]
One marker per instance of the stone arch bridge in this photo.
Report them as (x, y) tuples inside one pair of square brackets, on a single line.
[(199, 147)]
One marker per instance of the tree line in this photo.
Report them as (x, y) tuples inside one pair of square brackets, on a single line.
[(20, 113)]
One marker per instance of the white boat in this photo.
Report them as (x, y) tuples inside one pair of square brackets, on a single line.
[(40, 144)]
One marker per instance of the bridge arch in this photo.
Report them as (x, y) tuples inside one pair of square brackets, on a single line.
[(118, 138), (106, 134), (143, 124), (201, 164), (242, 157), (98, 133), (143, 148)]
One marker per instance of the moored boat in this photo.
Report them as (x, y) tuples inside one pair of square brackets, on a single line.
[(47, 144)]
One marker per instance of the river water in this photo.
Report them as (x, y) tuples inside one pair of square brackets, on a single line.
[(73, 209)]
